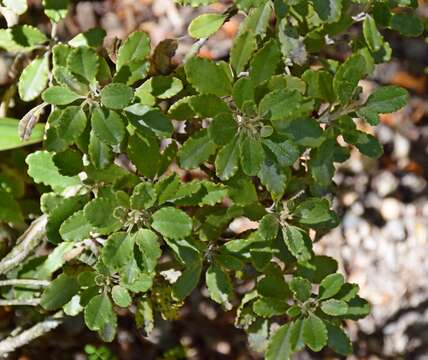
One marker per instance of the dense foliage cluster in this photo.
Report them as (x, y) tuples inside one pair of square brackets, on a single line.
[(127, 227)]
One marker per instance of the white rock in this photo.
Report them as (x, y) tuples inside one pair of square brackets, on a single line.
[(391, 209)]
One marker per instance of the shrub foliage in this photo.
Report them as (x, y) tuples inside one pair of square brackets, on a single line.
[(260, 133)]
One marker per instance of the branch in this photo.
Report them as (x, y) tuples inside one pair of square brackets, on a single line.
[(17, 302), (24, 282), (25, 244), (194, 50), (12, 343)]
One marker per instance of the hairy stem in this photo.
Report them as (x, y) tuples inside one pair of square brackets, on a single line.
[(25, 244), (18, 302), (24, 282), (12, 343)]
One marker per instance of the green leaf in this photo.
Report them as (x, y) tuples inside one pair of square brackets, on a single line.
[(100, 214), (108, 126), (62, 212), (242, 50), (121, 296), (286, 152), (273, 284), (83, 61), (76, 227), (9, 134), (60, 95), (317, 268), (368, 145), (43, 170), (34, 78), (160, 86), (188, 280), (134, 279), (8, 43), (205, 25), (148, 243), (208, 106), (269, 307), (73, 307), (242, 190), (56, 260), (358, 308), (118, 251), (264, 62), (71, 123), (387, 99), (144, 152), (99, 152), (314, 212), (301, 288), (108, 332), (243, 93), (371, 34), (117, 96), (320, 84), (135, 48), (172, 223), (338, 340), (223, 128), (328, 10), (144, 116), (251, 154), (227, 160), (92, 38), (334, 307), (98, 312), (219, 286), (196, 150), (314, 333), (303, 131), (330, 286), (27, 36), (348, 75), (297, 243), (60, 54), (268, 227), (258, 19), (56, 10), (407, 24), (143, 197), (273, 177), (279, 347), (208, 77), (283, 104), (59, 292), (64, 77)]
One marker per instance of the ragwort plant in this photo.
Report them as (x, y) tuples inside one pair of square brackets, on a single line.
[(264, 130)]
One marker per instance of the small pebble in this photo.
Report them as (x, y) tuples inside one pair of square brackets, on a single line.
[(391, 209)]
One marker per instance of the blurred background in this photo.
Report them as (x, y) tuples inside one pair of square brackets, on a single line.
[(382, 243)]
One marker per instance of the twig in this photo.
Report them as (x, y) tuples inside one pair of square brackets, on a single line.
[(25, 244), (18, 302), (24, 282), (194, 50), (12, 343)]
